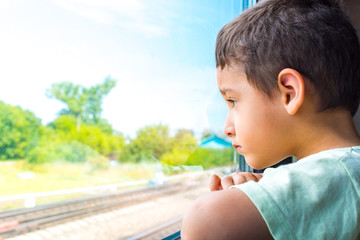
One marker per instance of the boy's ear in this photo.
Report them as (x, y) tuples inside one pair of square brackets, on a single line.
[(292, 89)]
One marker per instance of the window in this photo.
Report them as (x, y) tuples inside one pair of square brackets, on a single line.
[(101, 96)]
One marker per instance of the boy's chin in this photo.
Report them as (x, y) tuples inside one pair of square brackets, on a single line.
[(257, 163)]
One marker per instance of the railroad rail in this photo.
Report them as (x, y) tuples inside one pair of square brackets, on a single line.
[(163, 231), (21, 221)]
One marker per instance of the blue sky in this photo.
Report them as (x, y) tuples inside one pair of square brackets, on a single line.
[(161, 53)]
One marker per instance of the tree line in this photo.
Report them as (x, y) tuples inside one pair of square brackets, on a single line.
[(80, 134)]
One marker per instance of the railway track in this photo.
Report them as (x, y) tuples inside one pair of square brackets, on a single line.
[(167, 231), (21, 221)]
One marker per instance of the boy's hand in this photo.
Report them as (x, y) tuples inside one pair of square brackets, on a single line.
[(217, 183)]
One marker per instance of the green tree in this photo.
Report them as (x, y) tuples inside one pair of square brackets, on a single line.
[(61, 141), (150, 142), (182, 146), (103, 141), (95, 95), (19, 131), (83, 103)]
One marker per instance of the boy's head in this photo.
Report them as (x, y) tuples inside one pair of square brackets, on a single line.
[(288, 51), (313, 37)]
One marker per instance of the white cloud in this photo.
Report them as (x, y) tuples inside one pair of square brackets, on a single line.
[(6, 4), (147, 29), (135, 15), (91, 13)]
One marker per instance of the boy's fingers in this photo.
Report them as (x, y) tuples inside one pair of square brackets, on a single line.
[(215, 183), (238, 178), (258, 175), (242, 177), (227, 182), (249, 177)]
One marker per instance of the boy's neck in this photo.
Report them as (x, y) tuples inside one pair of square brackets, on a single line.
[(325, 130)]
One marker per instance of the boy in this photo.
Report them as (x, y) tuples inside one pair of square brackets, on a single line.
[(289, 71)]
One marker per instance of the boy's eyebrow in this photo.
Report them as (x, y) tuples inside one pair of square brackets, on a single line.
[(226, 90)]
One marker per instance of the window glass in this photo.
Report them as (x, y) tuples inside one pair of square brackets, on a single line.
[(108, 92)]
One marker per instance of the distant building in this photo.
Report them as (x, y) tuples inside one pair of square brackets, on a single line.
[(215, 142)]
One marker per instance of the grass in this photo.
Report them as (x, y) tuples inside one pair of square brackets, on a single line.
[(64, 175), (56, 176)]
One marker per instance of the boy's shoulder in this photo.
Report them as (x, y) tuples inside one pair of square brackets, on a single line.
[(337, 159), (328, 157), (324, 168), (317, 187)]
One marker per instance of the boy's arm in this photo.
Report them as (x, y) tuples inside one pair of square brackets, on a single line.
[(226, 214)]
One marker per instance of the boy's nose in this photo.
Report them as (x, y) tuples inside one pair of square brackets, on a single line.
[(229, 130)]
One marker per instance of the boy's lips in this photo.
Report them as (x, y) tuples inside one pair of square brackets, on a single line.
[(237, 147)]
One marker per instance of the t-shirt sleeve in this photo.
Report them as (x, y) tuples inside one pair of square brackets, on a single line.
[(305, 202), (273, 213)]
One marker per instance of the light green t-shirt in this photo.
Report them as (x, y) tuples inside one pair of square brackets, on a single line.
[(317, 197)]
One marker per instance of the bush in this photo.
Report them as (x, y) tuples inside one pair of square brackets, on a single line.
[(19, 131), (175, 158), (211, 157), (69, 151)]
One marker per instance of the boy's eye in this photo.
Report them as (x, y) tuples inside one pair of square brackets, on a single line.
[(232, 102)]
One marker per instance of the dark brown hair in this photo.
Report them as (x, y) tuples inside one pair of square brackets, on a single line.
[(314, 37)]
